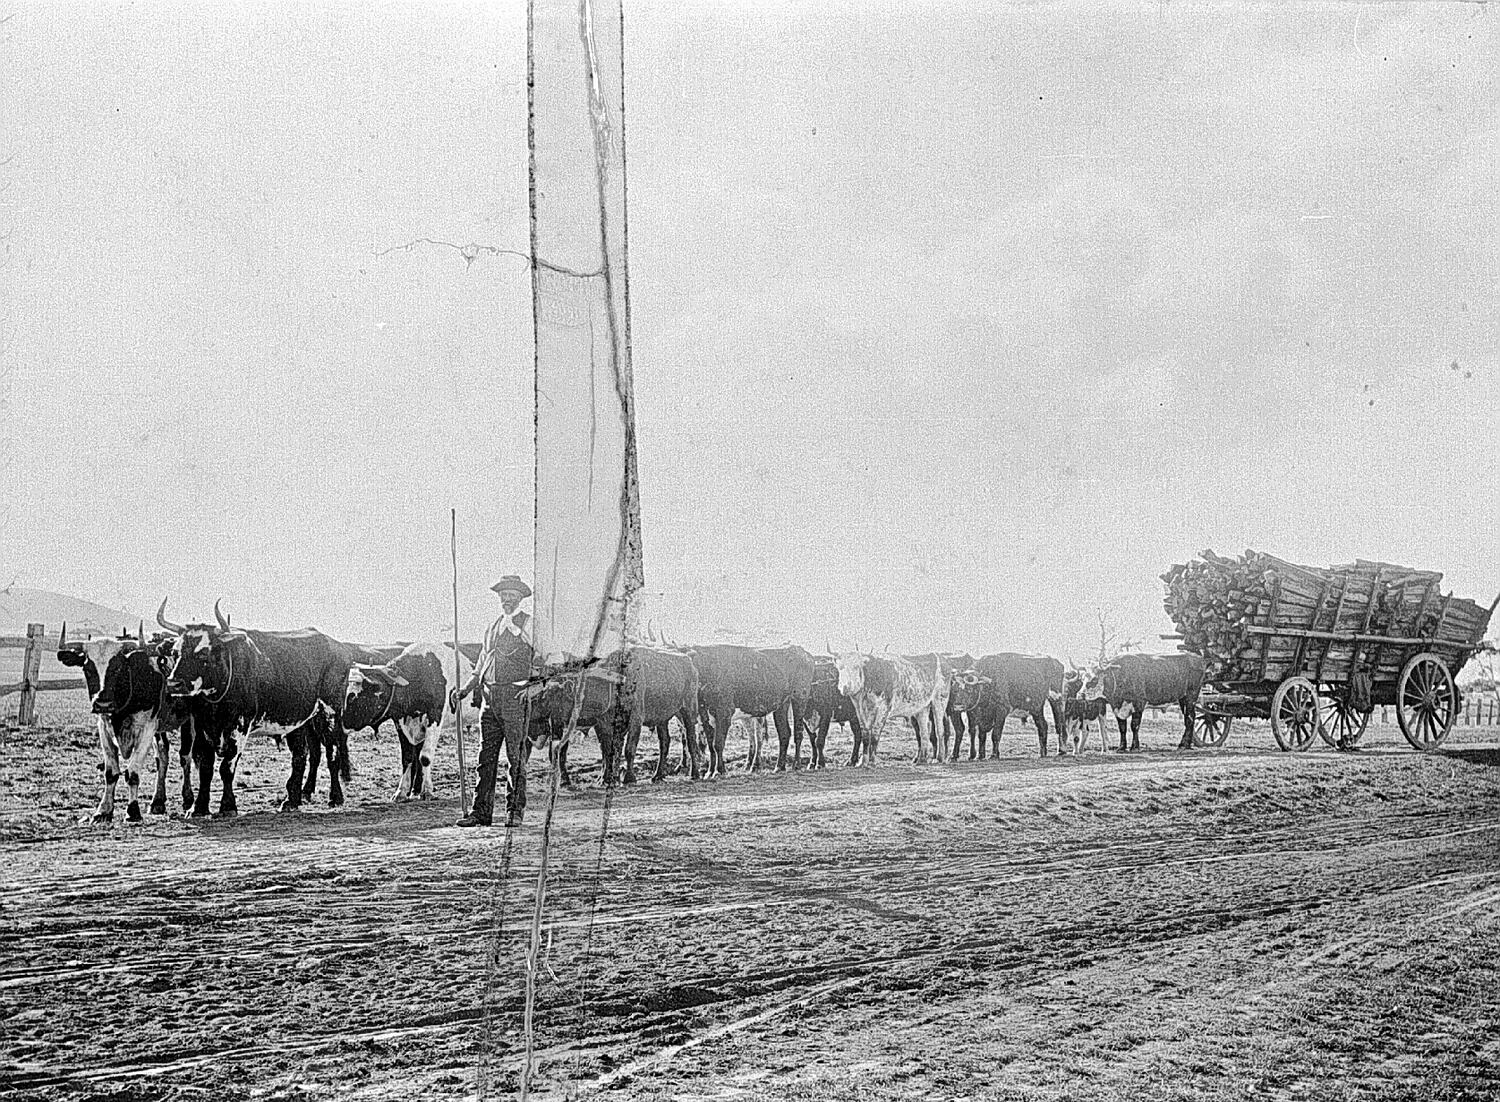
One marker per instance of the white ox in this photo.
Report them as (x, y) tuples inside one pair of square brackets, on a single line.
[(886, 687)]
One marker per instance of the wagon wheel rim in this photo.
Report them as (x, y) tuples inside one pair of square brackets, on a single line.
[(1343, 724), (1211, 729), (1426, 701), (1295, 716)]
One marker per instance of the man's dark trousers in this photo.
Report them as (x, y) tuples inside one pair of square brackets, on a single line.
[(503, 722)]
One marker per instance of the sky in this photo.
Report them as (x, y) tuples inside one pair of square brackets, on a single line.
[(953, 326)]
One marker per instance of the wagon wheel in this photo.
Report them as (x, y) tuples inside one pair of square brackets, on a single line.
[(1211, 728), (1294, 714), (1426, 701), (1342, 724)]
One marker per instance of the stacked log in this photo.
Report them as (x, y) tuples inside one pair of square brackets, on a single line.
[(1214, 599)]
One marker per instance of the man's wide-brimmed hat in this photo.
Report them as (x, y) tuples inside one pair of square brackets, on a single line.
[(512, 582)]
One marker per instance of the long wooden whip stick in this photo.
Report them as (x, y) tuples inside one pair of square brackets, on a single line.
[(458, 706)]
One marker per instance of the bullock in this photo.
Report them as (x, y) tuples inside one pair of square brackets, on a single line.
[(827, 706), (1027, 683), (1133, 682), (289, 682), (136, 717), (964, 687), (1081, 714), (639, 686), (410, 690), (758, 682), (886, 687)]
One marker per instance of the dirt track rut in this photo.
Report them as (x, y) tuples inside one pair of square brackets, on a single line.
[(1241, 924)]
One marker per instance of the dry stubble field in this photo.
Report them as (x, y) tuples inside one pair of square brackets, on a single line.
[(1213, 925)]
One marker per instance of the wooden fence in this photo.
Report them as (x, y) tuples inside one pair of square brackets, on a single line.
[(34, 645)]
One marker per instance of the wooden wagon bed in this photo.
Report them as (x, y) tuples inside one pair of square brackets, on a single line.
[(1315, 650)]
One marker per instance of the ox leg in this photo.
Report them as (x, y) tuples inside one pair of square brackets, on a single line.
[(782, 718), (336, 741), (716, 740), (690, 756), (426, 755), (995, 733), (227, 765), (185, 759), (143, 741), (632, 742), (1039, 721), (1189, 710), (819, 740), (1135, 728), (110, 768), (1124, 722), (857, 731), (296, 742), (312, 743), (163, 757), (204, 748), (562, 763), (663, 751), (408, 758)]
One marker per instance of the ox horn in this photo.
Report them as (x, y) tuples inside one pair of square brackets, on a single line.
[(161, 618), (140, 630), (219, 616), (62, 636)]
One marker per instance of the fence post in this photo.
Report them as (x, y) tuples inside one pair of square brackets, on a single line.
[(31, 669)]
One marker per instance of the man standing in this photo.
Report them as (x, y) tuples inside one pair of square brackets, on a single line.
[(504, 660)]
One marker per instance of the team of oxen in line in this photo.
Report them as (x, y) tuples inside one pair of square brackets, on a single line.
[(202, 688)]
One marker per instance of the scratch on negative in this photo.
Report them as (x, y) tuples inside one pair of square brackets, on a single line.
[(593, 408)]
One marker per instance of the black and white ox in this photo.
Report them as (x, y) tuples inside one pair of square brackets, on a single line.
[(411, 691), (771, 681), (887, 687), (1081, 715), (825, 707), (1025, 683), (136, 723), (1132, 683), (288, 683)]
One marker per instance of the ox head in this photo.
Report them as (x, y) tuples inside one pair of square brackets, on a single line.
[(965, 688), (203, 661), (132, 683), (851, 669), (1091, 681), (368, 693)]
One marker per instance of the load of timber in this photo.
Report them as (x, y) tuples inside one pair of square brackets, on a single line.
[(1256, 617)]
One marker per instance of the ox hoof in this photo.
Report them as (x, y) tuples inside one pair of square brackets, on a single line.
[(133, 812), (159, 807), (288, 805), (199, 812), (426, 796), (657, 778), (102, 817), (226, 811), (309, 792)]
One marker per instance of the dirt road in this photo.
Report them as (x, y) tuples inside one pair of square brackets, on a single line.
[(1238, 924)]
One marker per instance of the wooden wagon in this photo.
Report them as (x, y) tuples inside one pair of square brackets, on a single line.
[(1316, 650)]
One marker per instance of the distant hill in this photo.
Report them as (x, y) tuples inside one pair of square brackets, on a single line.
[(19, 607)]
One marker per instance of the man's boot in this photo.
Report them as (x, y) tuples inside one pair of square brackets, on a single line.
[(481, 813)]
